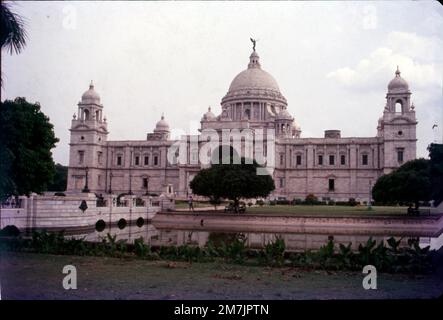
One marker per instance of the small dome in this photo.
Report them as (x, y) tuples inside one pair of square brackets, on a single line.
[(284, 115), (296, 126), (209, 115), (162, 125), (398, 84), (91, 96)]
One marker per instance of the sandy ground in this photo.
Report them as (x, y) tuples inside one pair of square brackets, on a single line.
[(39, 276)]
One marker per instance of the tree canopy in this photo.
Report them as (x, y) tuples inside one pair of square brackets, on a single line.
[(436, 171), (26, 140), (60, 178), (232, 181), (410, 183)]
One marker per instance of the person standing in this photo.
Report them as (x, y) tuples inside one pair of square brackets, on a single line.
[(191, 203)]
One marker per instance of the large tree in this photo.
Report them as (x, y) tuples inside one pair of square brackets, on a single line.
[(60, 178), (436, 171), (410, 183), (26, 140), (232, 181)]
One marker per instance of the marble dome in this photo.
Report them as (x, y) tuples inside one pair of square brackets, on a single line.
[(161, 125), (91, 96), (254, 81), (398, 84)]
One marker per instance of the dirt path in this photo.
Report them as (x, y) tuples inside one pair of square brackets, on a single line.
[(38, 276)]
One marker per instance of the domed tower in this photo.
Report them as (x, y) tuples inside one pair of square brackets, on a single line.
[(284, 124), (161, 131), (87, 156), (398, 125)]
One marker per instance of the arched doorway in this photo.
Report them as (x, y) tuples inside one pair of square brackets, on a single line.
[(225, 154)]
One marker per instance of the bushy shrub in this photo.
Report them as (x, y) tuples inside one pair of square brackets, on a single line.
[(10, 231), (352, 202), (311, 199), (274, 252), (260, 202)]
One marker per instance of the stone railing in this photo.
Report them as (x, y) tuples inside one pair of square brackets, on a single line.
[(81, 210)]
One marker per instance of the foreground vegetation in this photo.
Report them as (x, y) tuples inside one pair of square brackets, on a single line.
[(331, 256), (39, 276)]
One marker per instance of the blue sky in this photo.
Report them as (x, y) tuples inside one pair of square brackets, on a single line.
[(332, 61)]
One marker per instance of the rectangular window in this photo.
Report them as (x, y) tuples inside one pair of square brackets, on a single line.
[(343, 159), (99, 157), (146, 160), (145, 183), (364, 159), (155, 160), (137, 160), (331, 185), (281, 159), (282, 182), (400, 155), (99, 180), (81, 157), (331, 160), (298, 160), (119, 160), (320, 160)]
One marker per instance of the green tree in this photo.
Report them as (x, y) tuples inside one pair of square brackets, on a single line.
[(60, 178), (436, 171), (26, 140), (232, 181), (410, 183)]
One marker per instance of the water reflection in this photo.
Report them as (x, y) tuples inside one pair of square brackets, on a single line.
[(156, 236)]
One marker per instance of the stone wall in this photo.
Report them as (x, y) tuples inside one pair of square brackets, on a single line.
[(58, 212)]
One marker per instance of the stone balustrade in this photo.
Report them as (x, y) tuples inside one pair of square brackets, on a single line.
[(80, 210)]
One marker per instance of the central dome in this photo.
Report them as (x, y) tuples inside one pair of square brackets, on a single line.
[(254, 82)]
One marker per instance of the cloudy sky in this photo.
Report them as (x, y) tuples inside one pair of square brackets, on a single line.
[(332, 61)]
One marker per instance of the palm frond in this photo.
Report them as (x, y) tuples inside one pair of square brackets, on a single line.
[(12, 30)]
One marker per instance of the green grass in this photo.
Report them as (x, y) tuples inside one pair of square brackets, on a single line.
[(197, 204), (328, 210)]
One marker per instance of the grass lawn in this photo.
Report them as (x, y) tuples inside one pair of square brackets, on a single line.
[(39, 276), (327, 210)]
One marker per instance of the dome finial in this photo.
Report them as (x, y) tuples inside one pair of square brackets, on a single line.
[(209, 108), (91, 85), (163, 116), (397, 73)]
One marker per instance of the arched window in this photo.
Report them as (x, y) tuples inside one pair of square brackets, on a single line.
[(86, 114), (398, 106)]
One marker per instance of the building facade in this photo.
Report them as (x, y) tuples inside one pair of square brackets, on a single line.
[(332, 167)]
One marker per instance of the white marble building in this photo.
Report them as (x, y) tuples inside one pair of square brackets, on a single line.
[(333, 167)]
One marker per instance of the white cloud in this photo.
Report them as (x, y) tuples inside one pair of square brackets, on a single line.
[(416, 56)]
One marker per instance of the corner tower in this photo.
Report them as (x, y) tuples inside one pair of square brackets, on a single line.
[(87, 155), (398, 125)]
